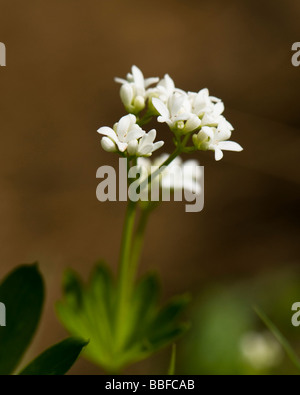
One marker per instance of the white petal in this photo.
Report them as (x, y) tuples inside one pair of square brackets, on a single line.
[(132, 147), (223, 134), (177, 101), (150, 81), (109, 132), (145, 149), (230, 146), (152, 135), (139, 103), (157, 145), (134, 133), (123, 126), (204, 92), (183, 117), (215, 99), (108, 145), (147, 139), (225, 125), (126, 93), (163, 120), (170, 86), (138, 77), (219, 108), (210, 132), (192, 124), (161, 108), (122, 146), (132, 119), (218, 154), (210, 119), (121, 81)]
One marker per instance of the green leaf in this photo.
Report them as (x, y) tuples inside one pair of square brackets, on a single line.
[(22, 293), (166, 320), (143, 307), (102, 295), (86, 311), (146, 295), (169, 336), (57, 360), (172, 367)]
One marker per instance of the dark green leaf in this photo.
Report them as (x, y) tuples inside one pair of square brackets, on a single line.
[(72, 288), (168, 336), (57, 360), (143, 307), (168, 316), (102, 292), (22, 292), (146, 295)]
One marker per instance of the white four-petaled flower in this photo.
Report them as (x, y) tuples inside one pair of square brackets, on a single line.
[(145, 146), (127, 135), (215, 139), (133, 91), (177, 113)]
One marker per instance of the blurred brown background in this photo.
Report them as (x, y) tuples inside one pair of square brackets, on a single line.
[(58, 89)]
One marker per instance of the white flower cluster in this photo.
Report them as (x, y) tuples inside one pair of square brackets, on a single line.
[(198, 114), (195, 115)]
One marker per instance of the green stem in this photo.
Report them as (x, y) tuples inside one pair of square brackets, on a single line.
[(139, 241), (123, 289), (145, 119), (126, 246), (128, 263)]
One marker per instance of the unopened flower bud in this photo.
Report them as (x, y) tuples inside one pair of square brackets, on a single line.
[(126, 93), (108, 145)]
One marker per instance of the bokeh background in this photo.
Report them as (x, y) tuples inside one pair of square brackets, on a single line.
[(58, 89)]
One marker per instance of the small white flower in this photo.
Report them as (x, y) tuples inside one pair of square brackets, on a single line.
[(177, 113), (132, 100), (214, 116), (261, 350), (145, 146), (178, 175), (126, 135), (215, 139), (123, 132), (163, 90), (133, 91), (202, 103)]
